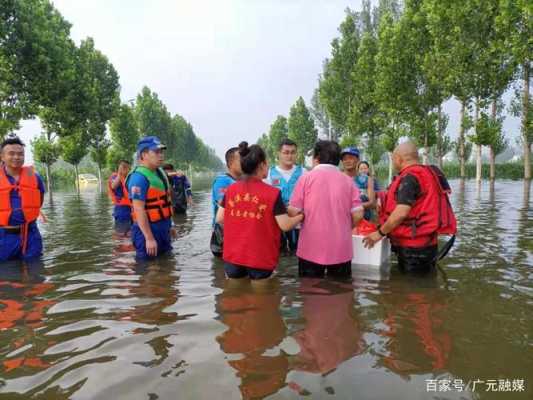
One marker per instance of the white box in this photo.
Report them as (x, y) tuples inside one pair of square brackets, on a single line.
[(377, 255)]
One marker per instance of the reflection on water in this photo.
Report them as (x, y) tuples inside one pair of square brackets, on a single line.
[(91, 323)]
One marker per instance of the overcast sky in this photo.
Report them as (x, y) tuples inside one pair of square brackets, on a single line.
[(228, 66)]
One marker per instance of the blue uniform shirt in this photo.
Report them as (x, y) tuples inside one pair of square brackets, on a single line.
[(17, 216), (138, 186), (220, 185)]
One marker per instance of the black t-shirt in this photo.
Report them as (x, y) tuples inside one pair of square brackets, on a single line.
[(279, 206), (408, 190)]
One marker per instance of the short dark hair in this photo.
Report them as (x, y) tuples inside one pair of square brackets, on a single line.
[(230, 154), (287, 142), (168, 167), (123, 162), (251, 157), (11, 140), (327, 152), (364, 162)]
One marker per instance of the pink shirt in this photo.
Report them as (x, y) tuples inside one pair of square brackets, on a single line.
[(327, 198)]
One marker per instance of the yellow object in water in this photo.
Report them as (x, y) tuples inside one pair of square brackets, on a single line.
[(87, 179)]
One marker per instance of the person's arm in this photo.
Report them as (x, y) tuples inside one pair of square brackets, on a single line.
[(293, 211), (115, 182), (287, 223), (220, 215), (357, 215), (371, 203), (144, 225)]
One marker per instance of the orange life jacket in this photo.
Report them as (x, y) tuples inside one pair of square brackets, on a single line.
[(158, 203), (431, 214), (125, 200), (28, 190)]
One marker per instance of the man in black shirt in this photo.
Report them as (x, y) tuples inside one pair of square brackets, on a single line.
[(416, 252)]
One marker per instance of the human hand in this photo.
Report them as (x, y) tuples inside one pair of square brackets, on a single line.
[(173, 233), (151, 247), (370, 240)]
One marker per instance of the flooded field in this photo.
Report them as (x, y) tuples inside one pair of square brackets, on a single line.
[(91, 323)]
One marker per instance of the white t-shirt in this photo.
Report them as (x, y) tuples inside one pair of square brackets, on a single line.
[(285, 173)]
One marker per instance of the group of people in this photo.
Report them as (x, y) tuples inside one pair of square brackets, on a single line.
[(259, 211)]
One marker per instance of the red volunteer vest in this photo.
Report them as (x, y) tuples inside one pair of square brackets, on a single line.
[(251, 234), (430, 215)]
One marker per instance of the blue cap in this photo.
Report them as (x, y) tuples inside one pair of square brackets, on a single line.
[(350, 150), (149, 143)]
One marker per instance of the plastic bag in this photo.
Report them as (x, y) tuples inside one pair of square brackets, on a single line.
[(365, 228)]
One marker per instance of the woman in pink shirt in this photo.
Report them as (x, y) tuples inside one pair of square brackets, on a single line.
[(332, 207)]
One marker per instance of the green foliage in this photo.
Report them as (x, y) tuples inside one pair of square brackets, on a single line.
[(74, 148), (44, 150), (301, 128), (124, 136)]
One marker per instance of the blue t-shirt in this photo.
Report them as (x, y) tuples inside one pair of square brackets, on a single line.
[(17, 216), (220, 184), (177, 181), (362, 182), (138, 186)]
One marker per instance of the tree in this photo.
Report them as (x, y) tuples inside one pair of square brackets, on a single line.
[(73, 149), (444, 144), (514, 21), (124, 136), (301, 128), (99, 92), (46, 151), (335, 88), (36, 59), (278, 131)]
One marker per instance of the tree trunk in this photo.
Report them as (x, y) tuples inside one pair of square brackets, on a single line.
[(439, 151), (492, 161), (390, 166), (525, 108), (77, 178), (99, 178), (478, 146), (48, 178), (462, 141)]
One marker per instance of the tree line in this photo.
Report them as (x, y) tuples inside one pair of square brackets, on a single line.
[(75, 92), (394, 65)]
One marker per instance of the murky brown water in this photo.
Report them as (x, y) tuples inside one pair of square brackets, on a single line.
[(91, 323)]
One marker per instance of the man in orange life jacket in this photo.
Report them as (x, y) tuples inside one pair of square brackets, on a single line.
[(410, 214), (21, 198), (119, 196), (149, 192)]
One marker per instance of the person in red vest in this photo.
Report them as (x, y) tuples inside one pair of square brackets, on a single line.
[(415, 211), (253, 214), (118, 192), (21, 198)]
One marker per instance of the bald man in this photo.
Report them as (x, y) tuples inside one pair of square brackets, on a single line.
[(409, 214)]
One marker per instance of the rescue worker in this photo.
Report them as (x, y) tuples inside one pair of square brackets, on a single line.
[(21, 199), (366, 184), (116, 187), (181, 189), (284, 176), (415, 210), (149, 192), (220, 184)]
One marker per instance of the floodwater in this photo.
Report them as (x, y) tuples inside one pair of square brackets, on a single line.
[(91, 323)]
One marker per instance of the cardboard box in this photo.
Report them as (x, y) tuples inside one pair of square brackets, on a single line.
[(377, 255)]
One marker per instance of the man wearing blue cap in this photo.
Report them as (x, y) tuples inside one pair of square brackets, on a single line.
[(350, 158), (149, 192)]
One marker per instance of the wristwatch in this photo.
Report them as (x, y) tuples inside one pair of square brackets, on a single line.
[(380, 232)]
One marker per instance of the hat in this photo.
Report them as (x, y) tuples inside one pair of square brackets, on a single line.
[(149, 143), (350, 150)]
